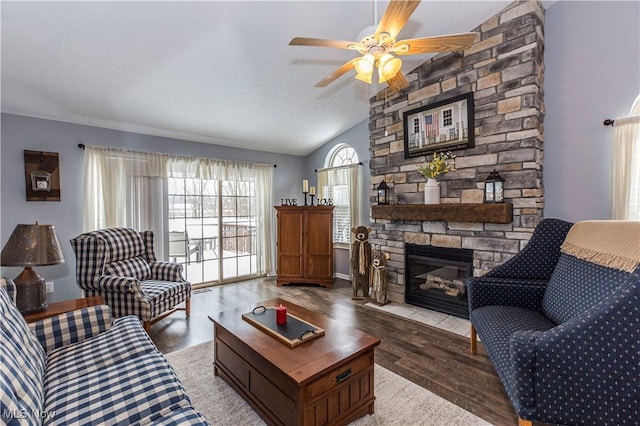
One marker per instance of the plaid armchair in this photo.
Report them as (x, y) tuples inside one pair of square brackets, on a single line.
[(119, 264)]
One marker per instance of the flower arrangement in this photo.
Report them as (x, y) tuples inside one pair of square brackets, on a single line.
[(440, 164)]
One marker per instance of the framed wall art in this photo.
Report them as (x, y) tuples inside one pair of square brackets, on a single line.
[(441, 126), (42, 175)]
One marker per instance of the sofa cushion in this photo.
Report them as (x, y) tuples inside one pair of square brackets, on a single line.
[(121, 243), (22, 367), (164, 295), (136, 267), (124, 340), (130, 391), (496, 324), (576, 285)]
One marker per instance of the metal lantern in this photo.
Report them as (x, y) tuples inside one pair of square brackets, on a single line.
[(494, 188), (383, 193)]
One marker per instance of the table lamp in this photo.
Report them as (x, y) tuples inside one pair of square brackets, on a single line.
[(28, 246)]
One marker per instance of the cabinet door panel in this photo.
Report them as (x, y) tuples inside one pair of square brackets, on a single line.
[(290, 245), (319, 238), (319, 245), (289, 266), (318, 266)]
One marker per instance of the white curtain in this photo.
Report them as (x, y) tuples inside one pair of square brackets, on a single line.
[(626, 166), (264, 212), (146, 209), (125, 189), (343, 176), (104, 178), (128, 188)]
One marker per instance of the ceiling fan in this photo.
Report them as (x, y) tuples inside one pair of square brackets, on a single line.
[(377, 49)]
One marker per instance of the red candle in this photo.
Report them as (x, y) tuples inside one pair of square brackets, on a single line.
[(281, 314)]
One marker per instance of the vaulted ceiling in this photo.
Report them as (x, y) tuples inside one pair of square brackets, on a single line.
[(218, 72)]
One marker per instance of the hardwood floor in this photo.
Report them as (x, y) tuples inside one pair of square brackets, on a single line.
[(432, 358)]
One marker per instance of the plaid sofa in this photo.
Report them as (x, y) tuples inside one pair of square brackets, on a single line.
[(119, 264), (80, 368), (562, 328)]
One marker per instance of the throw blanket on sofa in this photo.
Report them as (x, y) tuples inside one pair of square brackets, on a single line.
[(606, 243)]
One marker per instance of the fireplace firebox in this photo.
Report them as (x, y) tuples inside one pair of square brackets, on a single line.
[(436, 278)]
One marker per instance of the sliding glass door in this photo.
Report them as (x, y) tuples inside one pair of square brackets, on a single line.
[(212, 229), (238, 229)]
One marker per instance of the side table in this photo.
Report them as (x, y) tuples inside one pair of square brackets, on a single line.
[(58, 308)]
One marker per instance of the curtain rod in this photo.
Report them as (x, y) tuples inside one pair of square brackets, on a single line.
[(82, 146), (621, 121), (346, 165)]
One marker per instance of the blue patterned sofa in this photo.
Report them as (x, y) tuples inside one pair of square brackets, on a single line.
[(560, 322), (80, 368)]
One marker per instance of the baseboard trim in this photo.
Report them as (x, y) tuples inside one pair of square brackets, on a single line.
[(341, 276)]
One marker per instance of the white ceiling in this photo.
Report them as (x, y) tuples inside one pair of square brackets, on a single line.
[(219, 72)]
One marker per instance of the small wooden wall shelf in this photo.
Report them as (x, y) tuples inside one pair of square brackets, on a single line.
[(468, 212)]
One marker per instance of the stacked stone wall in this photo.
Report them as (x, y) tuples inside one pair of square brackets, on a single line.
[(504, 69)]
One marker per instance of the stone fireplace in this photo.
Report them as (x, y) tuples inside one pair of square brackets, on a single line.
[(504, 69)]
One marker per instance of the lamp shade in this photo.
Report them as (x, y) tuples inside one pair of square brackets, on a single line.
[(32, 245), (364, 65), (388, 67), (364, 77)]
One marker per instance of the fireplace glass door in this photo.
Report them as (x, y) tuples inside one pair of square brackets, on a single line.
[(436, 278)]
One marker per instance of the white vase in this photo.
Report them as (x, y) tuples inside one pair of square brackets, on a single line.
[(432, 192)]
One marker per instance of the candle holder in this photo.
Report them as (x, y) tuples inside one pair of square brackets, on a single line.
[(312, 197), (305, 197)]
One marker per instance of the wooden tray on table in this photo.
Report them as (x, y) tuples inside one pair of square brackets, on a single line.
[(293, 333)]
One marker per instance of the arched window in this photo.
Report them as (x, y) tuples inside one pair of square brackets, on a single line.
[(625, 200), (341, 155), (339, 181)]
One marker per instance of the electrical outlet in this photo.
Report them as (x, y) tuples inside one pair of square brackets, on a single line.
[(49, 286)]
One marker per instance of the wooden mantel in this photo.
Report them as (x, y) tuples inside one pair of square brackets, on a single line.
[(467, 212)]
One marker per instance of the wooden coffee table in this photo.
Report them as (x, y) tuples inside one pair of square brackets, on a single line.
[(327, 380)]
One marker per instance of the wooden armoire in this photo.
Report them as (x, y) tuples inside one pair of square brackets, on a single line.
[(305, 245)]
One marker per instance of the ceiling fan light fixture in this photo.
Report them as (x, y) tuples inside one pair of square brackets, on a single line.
[(364, 77), (388, 67), (364, 65), (377, 42)]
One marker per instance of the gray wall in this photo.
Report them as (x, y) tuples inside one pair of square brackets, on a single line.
[(358, 138), (20, 133), (592, 61)]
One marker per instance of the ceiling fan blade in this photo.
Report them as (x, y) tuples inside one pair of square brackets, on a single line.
[(336, 74), (319, 42), (434, 44), (398, 82), (396, 15)]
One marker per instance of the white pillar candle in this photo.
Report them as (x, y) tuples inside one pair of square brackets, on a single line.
[(305, 186), (312, 190)]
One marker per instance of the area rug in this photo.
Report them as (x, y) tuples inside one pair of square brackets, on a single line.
[(398, 401)]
